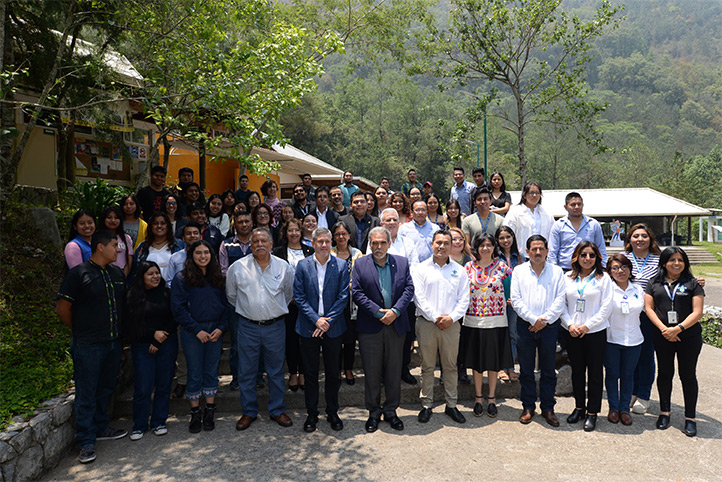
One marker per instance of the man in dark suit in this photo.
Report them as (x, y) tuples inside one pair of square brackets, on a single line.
[(359, 222), (325, 216), (301, 206), (321, 292), (382, 289)]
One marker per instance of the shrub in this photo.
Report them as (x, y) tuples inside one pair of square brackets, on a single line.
[(94, 196), (712, 330)]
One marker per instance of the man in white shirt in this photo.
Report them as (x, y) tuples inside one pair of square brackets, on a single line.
[(538, 297), (418, 234), (260, 287), (441, 294), (325, 217), (389, 219)]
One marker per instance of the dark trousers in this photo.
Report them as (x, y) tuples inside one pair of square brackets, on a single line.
[(619, 363), (410, 337), (645, 370), (293, 346), (310, 348), (544, 342), (153, 373), (687, 352), (95, 371), (586, 357), (348, 339), (382, 356)]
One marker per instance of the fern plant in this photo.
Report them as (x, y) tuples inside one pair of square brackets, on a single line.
[(95, 196)]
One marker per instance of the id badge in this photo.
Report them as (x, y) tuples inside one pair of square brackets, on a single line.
[(625, 307), (672, 317), (580, 306)]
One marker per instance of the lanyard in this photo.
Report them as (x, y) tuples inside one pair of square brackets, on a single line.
[(488, 220), (584, 286), (636, 264), (673, 293)]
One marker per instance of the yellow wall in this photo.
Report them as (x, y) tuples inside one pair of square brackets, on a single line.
[(37, 165)]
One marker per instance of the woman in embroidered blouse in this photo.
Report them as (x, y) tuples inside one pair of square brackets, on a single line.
[(487, 345), (342, 249), (111, 220), (508, 251), (82, 228), (585, 321), (529, 217), (624, 339)]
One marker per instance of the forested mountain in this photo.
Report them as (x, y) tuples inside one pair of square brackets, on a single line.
[(660, 73)]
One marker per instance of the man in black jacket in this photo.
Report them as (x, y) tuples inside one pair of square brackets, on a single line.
[(359, 222)]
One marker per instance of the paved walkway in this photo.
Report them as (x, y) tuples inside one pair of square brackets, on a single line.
[(482, 449)]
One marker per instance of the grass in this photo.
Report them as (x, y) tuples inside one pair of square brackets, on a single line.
[(34, 359)]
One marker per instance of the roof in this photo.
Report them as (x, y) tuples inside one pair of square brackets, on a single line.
[(619, 203)]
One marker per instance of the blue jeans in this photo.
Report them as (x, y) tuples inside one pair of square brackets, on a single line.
[(153, 372), (202, 360), (95, 371), (544, 341), (646, 369), (619, 362), (512, 318), (254, 341), (233, 356)]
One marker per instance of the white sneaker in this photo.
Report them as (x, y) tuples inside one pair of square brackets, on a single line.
[(136, 435), (631, 403), (160, 430), (640, 406)]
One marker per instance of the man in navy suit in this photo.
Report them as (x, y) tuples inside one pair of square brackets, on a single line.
[(321, 291), (382, 289)]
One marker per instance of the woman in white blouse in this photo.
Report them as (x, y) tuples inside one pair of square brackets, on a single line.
[(529, 217), (584, 319), (624, 338)]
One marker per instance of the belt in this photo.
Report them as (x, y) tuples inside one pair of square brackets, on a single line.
[(266, 322)]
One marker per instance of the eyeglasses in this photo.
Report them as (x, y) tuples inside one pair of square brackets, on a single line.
[(588, 255), (619, 268), (299, 192), (171, 203), (340, 234), (262, 213)]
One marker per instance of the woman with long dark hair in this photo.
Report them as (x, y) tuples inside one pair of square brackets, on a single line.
[(529, 217), (371, 204), (133, 225), (435, 213), (500, 199), (453, 215), (508, 251), (160, 243), (151, 331), (269, 189), (624, 338), (199, 304), (171, 206), (382, 198), (216, 216), (229, 201), (111, 219), (261, 216), (674, 301), (585, 322), (82, 227), (400, 202)]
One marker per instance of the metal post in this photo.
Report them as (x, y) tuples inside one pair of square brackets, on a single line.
[(486, 171)]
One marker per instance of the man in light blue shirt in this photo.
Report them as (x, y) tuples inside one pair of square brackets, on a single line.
[(461, 190), (572, 229), (348, 188), (418, 234)]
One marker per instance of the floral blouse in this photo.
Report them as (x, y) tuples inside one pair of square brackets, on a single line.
[(487, 306)]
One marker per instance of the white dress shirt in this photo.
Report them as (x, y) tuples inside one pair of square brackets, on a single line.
[(596, 296), (258, 294), (526, 223), (440, 290), (321, 221), (534, 297), (321, 274), (624, 328), (397, 248)]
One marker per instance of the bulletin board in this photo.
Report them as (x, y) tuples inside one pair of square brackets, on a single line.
[(102, 159)]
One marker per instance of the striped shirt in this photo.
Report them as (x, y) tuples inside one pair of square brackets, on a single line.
[(643, 269)]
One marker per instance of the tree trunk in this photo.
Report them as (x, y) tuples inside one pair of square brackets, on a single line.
[(66, 168), (520, 136), (153, 158), (166, 151), (202, 165)]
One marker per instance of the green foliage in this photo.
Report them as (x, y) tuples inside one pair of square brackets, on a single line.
[(94, 196), (33, 343), (712, 330)]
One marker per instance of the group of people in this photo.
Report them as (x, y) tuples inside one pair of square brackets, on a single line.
[(480, 287)]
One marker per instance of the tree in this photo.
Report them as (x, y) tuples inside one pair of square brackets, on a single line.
[(533, 49)]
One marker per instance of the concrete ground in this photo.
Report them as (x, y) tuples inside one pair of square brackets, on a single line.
[(481, 449)]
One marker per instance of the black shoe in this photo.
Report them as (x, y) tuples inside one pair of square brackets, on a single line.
[(310, 424), (491, 410), (455, 414), (478, 409), (394, 421), (208, 422), (335, 421), (590, 423), (372, 424), (196, 421), (690, 428), (576, 415), (425, 415), (663, 422), (293, 388), (407, 377)]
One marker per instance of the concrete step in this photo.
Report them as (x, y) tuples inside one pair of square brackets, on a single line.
[(696, 254)]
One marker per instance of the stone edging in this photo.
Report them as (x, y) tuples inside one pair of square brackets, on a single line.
[(32, 446)]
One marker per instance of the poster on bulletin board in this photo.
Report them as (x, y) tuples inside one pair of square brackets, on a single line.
[(100, 159)]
